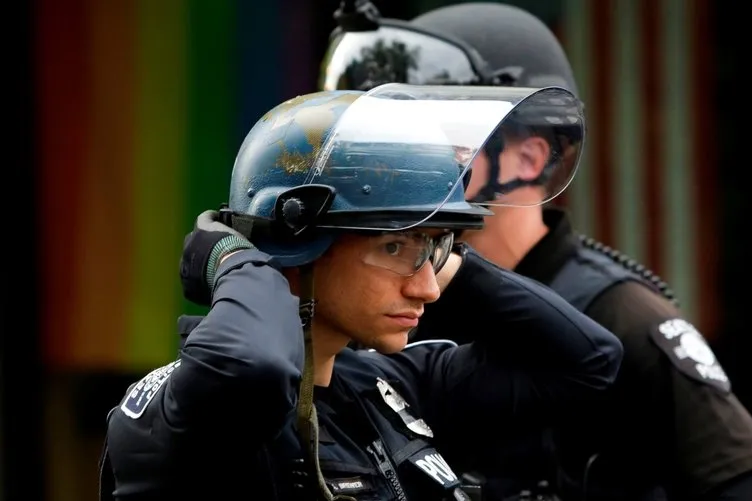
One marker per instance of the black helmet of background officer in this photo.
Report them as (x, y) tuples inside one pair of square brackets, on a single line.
[(515, 44), (508, 45), (518, 48)]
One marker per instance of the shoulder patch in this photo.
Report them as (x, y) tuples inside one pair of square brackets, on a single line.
[(689, 353), (143, 392)]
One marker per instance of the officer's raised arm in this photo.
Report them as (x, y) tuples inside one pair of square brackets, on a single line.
[(250, 344), (533, 354)]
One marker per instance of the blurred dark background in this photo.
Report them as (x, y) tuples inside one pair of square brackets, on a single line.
[(126, 119)]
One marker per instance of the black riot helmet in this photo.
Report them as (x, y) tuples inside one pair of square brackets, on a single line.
[(512, 41), (483, 43), (476, 43)]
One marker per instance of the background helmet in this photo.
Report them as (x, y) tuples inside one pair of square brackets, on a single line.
[(476, 43), (515, 45), (486, 44), (294, 187)]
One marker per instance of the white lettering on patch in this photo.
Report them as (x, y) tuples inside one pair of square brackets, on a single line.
[(690, 354), (143, 392), (349, 485), (434, 465)]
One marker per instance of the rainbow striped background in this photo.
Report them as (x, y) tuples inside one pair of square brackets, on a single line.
[(141, 107), (649, 182)]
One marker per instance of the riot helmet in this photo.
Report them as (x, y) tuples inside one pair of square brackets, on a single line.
[(474, 43), (389, 159), (515, 44)]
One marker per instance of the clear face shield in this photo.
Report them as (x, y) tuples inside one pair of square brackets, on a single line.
[(401, 157)]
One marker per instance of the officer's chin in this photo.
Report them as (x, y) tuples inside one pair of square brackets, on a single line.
[(387, 344)]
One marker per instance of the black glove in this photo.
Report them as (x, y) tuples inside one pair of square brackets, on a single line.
[(203, 249)]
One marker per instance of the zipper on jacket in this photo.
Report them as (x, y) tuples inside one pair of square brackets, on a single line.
[(376, 449)]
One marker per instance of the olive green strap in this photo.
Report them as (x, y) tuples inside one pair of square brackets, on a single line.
[(308, 424)]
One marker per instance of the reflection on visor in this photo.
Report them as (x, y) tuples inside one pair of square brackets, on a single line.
[(406, 253), (364, 60), (515, 170), (399, 154)]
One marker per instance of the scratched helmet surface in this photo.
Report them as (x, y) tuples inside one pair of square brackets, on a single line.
[(354, 161), (282, 147)]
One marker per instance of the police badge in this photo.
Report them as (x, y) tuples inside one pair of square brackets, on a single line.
[(398, 404)]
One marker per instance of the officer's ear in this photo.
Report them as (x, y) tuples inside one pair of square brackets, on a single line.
[(534, 154)]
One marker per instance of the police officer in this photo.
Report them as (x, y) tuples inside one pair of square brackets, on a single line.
[(672, 428), (324, 194)]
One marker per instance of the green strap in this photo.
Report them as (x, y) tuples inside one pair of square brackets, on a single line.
[(308, 424)]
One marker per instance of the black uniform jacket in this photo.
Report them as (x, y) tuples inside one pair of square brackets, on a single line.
[(219, 422)]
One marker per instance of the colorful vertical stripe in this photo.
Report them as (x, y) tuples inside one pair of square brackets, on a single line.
[(646, 185), (142, 107), (62, 96), (158, 172), (576, 31)]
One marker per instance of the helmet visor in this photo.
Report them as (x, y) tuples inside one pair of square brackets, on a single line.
[(364, 60), (532, 156), (399, 154)]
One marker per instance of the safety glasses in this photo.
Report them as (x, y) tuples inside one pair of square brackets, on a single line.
[(406, 252)]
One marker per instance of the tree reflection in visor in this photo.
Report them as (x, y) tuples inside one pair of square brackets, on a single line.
[(364, 60), (406, 252)]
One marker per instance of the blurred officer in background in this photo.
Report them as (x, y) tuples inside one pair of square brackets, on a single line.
[(349, 203), (673, 429)]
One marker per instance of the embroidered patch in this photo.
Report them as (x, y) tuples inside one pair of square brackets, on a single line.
[(143, 392), (401, 407), (436, 467), (352, 485), (690, 353)]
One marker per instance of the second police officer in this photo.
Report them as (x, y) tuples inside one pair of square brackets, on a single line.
[(673, 428)]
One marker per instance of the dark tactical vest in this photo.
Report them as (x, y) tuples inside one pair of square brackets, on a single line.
[(593, 270)]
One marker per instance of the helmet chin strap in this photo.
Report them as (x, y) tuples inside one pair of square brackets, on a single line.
[(308, 423), (493, 187)]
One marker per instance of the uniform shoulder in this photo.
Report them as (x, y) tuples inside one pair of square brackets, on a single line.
[(653, 331), (631, 307), (409, 365), (141, 393)]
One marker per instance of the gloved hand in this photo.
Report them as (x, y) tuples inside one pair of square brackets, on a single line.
[(203, 249)]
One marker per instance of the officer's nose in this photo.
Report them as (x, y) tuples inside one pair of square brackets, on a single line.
[(422, 286)]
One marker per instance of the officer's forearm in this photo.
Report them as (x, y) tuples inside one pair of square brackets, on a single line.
[(526, 325), (533, 357), (248, 351)]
